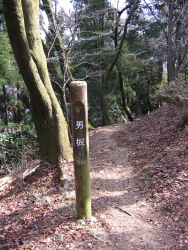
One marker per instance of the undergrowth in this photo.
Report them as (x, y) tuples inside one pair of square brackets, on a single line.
[(17, 147)]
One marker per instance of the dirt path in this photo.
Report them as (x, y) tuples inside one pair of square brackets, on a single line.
[(139, 197), (117, 198)]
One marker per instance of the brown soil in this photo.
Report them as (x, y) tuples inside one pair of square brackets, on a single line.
[(139, 186)]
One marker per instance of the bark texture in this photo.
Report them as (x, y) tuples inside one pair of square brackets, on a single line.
[(22, 18)]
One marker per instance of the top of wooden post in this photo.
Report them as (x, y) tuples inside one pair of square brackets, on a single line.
[(78, 83)]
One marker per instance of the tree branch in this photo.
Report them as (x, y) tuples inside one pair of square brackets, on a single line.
[(124, 36)]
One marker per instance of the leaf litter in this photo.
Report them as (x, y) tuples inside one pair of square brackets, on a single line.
[(139, 186)]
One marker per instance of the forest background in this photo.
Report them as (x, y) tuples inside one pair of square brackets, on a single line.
[(134, 60)]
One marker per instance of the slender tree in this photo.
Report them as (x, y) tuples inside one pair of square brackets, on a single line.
[(111, 66), (172, 15)]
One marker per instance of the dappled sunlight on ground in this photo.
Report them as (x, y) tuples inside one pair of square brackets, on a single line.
[(139, 193)]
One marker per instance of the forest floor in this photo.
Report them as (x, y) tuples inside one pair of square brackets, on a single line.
[(139, 181)]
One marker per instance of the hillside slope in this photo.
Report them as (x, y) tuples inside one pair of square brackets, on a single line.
[(160, 157)]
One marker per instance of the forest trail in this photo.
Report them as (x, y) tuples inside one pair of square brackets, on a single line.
[(139, 177), (119, 199)]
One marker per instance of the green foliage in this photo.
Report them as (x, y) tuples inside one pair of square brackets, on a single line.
[(174, 91), (8, 69), (154, 29), (141, 61), (116, 112), (140, 74), (95, 51), (95, 116), (18, 146)]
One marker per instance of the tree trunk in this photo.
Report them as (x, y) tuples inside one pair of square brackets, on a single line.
[(62, 57), (55, 78), (6, 105), (110, 67), (22, 18), (160, 70), (150, 106), (171, 61), (123, 98), (104, 102)]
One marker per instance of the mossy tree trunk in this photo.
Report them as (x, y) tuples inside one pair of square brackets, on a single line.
[(62, 53), (22, 18), (57, 80)]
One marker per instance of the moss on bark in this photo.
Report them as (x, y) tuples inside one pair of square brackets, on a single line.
[(22, 18)]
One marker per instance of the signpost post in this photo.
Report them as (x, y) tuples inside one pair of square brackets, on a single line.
[(79, 112)]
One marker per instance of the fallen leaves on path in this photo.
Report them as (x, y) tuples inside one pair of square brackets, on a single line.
[(160, 156), (139, 181)]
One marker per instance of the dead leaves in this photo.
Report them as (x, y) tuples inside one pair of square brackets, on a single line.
[(37, 214), (160, 156)]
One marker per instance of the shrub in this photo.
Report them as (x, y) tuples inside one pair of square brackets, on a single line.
[(17, 148), (174, 91)]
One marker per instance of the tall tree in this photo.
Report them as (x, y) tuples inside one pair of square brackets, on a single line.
[(92, 48), (172, 15), (96, 37), (22, 19), (111, 66)]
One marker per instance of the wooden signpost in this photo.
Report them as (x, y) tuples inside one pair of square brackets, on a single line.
[(79, 112)]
